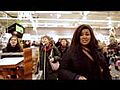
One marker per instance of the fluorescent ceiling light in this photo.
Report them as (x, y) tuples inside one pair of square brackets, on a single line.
[(50, 19), (84, 18), (61, 12)]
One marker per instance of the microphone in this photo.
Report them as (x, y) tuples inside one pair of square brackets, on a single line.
[(43, 44)]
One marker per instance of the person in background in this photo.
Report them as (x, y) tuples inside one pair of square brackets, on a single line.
[(26, 44), (117, 59), (112, 50), (63, 46), (34, 43), (57, 44), (13, 46), (83, 60), (118, 49), (46, 46), (103, 48)]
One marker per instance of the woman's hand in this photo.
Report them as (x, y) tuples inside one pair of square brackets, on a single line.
[(82, 78), (51, 59)]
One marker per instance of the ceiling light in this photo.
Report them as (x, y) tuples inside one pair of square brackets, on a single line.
[(109, 18), (84, 18), (58, 16), (61, 12), (86, 13)]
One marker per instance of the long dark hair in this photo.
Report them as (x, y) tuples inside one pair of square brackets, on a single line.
[(76, 49), (67, 43), (17, 47), (93, 45), (76, 37)]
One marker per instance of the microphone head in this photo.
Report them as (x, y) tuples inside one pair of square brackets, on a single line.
[(43, 43)]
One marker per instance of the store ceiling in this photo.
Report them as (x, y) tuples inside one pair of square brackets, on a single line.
[(97, 19)]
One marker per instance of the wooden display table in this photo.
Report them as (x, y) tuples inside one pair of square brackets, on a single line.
[(28, 63), (24, 67), (11, 66)]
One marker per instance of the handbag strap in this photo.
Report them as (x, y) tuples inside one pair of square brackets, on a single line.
[(88, 54), (101, 69), (51, 53)]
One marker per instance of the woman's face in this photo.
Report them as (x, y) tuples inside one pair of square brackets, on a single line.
[(63, 42), (45, 40), (27, 42), (85, 37), (13, 41)]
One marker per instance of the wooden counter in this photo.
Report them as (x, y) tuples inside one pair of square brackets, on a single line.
[(24, 67), (11, 66)]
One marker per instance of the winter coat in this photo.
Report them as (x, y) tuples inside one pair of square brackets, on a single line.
[(74, 64), (62, 50), (49, 73)]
